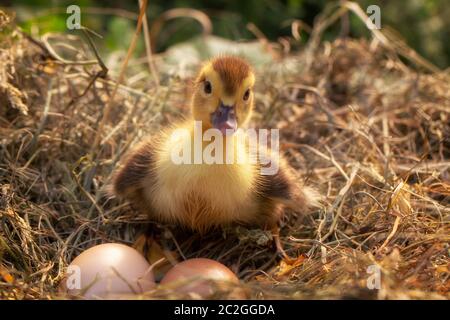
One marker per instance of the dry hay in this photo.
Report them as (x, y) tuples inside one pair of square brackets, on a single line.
[(367, 130)]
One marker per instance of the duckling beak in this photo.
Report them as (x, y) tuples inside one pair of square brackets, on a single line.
[(224, 119)]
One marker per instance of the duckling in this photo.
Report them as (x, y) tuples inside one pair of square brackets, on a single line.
[(201, 195)]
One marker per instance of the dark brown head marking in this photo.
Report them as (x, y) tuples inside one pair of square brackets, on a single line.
[(232, 70)]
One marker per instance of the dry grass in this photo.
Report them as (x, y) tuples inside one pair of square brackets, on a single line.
[(367, 130)]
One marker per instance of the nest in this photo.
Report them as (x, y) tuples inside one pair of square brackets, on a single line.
[(368, 130)]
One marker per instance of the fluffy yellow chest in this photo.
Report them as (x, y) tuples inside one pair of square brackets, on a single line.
[(200, 193)]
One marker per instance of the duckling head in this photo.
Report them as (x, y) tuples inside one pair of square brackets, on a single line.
[(223, 97)]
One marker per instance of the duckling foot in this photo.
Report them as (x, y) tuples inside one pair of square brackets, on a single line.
[(160, 259), (142, 244), (279, 247)]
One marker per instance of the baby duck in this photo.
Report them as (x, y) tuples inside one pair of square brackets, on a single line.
[(202, 194)]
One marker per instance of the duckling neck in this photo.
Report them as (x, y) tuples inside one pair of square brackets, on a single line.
[(208, 142)]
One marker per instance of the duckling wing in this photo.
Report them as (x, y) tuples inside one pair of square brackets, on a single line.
[(285, 187), (138, 171)]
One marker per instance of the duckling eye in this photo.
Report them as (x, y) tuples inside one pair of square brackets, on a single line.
[(246, 95), (207, 88)]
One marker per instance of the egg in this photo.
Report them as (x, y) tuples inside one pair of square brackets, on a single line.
[(200, 277), (108, 270)]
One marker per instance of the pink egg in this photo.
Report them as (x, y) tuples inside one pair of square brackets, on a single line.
[(108, 270), (199, 276)]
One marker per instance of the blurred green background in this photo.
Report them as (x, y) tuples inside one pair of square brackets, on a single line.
[(423, 24)]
